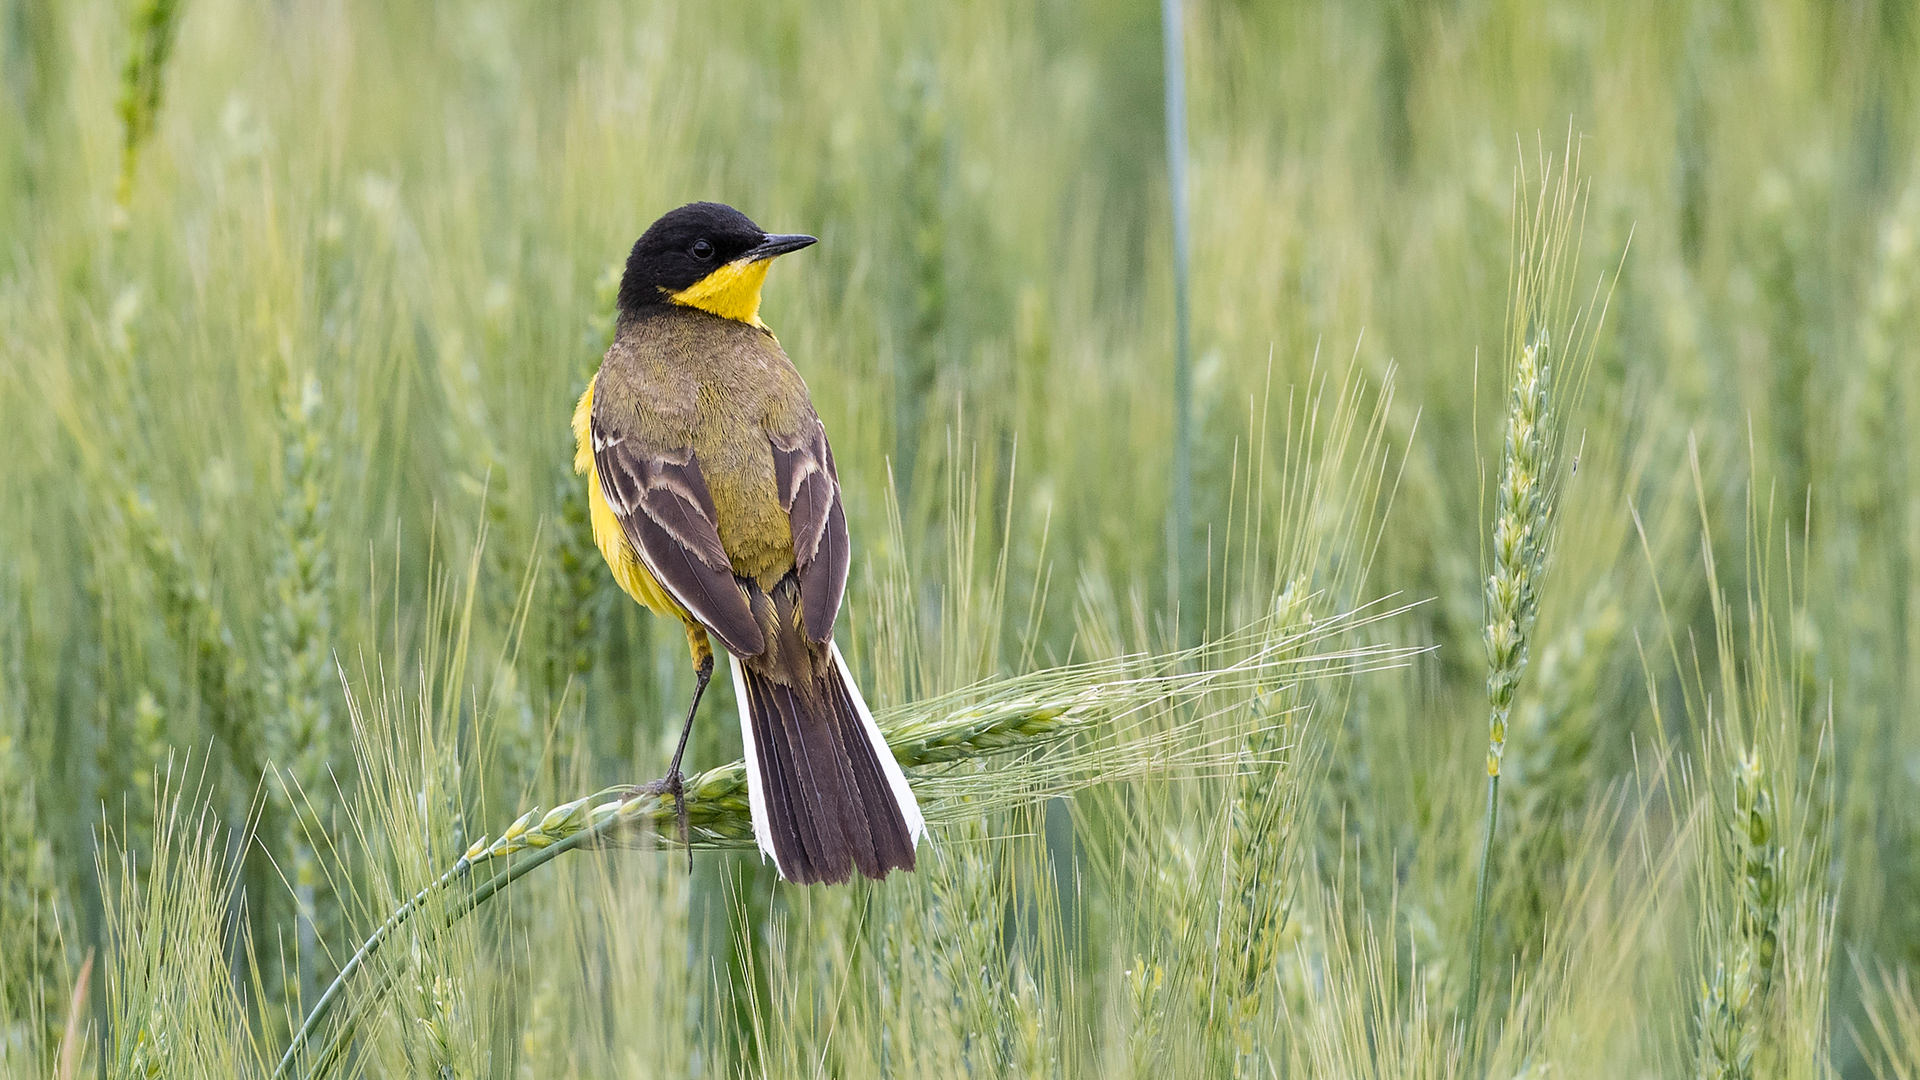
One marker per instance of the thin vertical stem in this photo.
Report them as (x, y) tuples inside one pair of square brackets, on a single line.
[(1180, 523), (1480, 903)]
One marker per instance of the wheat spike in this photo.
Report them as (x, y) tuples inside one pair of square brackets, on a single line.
[(1732, 996), (298, 712)]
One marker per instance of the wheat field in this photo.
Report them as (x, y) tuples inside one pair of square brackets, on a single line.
[(1534, 696)]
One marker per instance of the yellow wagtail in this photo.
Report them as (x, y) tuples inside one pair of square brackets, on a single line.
[(715, 501)]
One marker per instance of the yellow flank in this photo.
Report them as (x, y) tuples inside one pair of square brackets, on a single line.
[(731, 292), (628, 570)]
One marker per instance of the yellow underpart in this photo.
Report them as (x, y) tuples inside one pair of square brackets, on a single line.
[(608, 536), (731, 292)]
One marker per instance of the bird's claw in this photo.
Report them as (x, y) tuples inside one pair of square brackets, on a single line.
[(674, 784)]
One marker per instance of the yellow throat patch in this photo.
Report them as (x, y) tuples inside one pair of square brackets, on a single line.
[(731, 292)]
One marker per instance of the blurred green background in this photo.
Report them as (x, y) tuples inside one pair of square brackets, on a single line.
[(284, 389)]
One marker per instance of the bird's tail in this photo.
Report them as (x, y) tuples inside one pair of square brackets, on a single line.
[(826, 794)]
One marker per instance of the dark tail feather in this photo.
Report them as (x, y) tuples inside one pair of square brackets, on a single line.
[(826, 793)]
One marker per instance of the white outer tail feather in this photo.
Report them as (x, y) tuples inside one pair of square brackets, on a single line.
[(897, 780), (756, 794)]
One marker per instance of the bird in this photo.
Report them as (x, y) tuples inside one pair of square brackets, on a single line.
[(714, 497)]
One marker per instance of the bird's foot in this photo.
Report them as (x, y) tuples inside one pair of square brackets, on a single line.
[(630, 792), (673, 784)]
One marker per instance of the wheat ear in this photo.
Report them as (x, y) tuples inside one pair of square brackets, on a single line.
[(1066, 729), (1743, 972)]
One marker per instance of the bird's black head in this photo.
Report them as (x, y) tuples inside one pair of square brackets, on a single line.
[(704, 255)]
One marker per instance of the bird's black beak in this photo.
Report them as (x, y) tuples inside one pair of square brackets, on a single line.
[(772, 245)]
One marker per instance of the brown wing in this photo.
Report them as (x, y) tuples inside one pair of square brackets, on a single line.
[(810, 492), (667, 513)]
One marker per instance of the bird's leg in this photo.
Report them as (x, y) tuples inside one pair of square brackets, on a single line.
[(675, 777), (674, 782)]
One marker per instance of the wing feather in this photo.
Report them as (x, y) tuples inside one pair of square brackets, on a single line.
[(810, 493), (666, 512)]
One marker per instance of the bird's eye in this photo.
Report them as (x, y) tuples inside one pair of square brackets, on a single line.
[(702, 250)]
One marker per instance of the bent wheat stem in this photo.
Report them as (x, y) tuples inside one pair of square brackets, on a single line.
[(1064, 729)]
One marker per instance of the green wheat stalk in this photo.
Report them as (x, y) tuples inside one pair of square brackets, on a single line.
[(1546, 377), (32, 989), (1743, 972), (168, 949), (297, 716), (1063, 729), (1894, 1015), (1520, 528), (153, 27), (1259, 853), (580, 586), (194, 620)]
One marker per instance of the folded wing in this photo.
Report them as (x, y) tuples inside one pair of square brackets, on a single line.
[(666, 511), (810, 493)]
